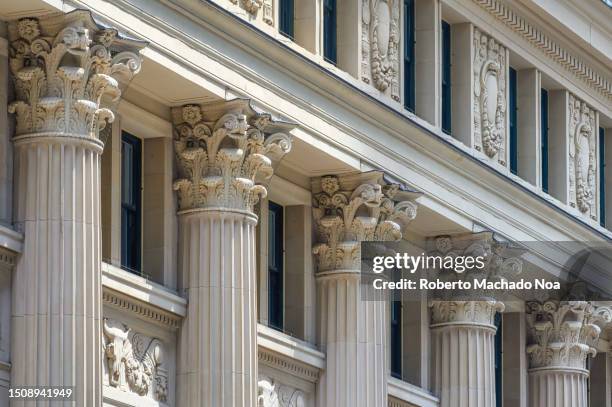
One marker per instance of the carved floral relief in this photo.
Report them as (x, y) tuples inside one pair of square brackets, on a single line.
[(135, 362), (490, 73), (273, 394), (582, 157), (380, 45)]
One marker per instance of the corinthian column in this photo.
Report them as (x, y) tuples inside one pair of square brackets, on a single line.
[(64, 67), (561, 338), (223, 150), (463, 328), (352, 330)]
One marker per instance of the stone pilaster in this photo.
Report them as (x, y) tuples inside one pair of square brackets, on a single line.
[(463, 330), (223, 152), (561, 338), (65, 69), (352, 330)]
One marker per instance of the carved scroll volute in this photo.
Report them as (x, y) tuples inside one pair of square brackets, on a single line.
[(582, 157), (350, 209), (380, 45), (224, 151), (490, 80), (65, 68)]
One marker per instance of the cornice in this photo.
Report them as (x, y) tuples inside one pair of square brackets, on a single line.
[(549, 47), (141, 309)]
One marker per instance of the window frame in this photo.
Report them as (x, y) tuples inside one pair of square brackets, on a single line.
[(602, 176), (330, 31), (286, 18), (276, 266), (446, 85), (134, 208), (395, 338), (409, 56), (544, 139)]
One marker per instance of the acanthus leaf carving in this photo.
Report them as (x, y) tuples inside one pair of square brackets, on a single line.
[(563, 334), (490, 78), (459, 311), (135, 362), (223, 152), (351, 209), (65, 69), (380, 45), (582, 157)]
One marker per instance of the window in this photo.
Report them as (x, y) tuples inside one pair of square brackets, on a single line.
[(275, 265), (286, 18), (409, 102), (446, 77), (396, 339), (513, 124), (131, 180), (544, 135), (602, 177), (329, 31), (498, 360)]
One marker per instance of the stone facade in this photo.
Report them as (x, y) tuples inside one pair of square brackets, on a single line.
[(259, 170)]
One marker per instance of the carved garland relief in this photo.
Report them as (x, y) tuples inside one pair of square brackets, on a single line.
[(253, 6), (134, 362), (273, 394), (582, 157), (380, 45), (489, 96)]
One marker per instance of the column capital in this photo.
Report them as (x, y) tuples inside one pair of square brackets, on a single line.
[(224, 151), (465, 312), (352, 208), (66, 69), (562, 335)]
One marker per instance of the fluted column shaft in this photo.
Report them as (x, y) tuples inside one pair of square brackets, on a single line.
[(217, 342), (56, 309), (56, 288), (558, 388), (463, 348), (353, 334)]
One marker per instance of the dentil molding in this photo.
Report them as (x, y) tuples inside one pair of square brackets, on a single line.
[(545, 44), (224, 151), (66, 70), (350, 209)]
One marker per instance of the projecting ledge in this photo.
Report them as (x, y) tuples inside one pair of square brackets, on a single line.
[(403, 394)]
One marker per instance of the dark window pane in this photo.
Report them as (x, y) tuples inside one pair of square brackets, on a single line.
[(329, 31), (409, 55), (286, 17), (513, 123), (131, 176), (544, 135), (498, 360), (275, 265), (446, 78), (396, 339)]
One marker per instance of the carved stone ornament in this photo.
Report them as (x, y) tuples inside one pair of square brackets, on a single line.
[(501, 260), (65, 69), (490, 73), (354, 208), (273, 394), (135, 362), (252, 6), (563, 334), (268, 12), (465, 312), (223, 151), (380, 45), (582, 157)]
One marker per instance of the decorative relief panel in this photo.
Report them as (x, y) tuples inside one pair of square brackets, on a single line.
[(380, 45), (273, 394), (253, 6), (582, 157), (490, 73), (134, 362)]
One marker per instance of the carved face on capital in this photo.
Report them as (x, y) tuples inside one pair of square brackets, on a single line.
[(28, 29), (370, 194)]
